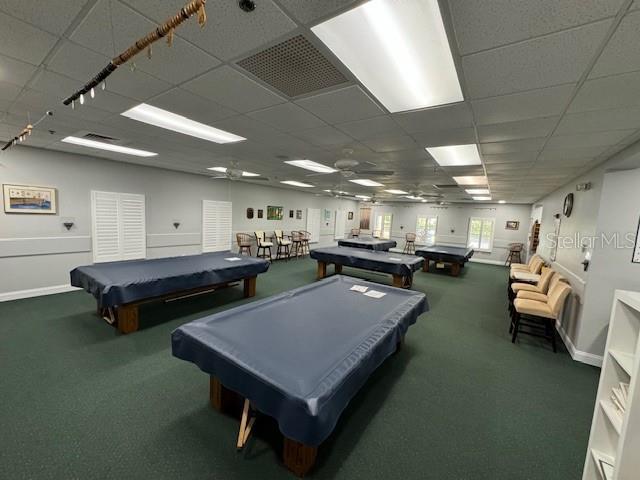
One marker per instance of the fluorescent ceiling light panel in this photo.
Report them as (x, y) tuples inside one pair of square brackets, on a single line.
[(398, 50), (296, 184), (84, 142), (396, 192), (481, 198), (471, 180), (502, 201), (224, 170), (413, 197), (367, 183), (363, 197), (177, 123), (311, 165), (455, 155), (478, 191)]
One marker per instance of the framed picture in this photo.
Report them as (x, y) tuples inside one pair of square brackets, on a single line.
[(259, 213), (298, 214), (350, 216), (327, 215), (274, 213), (249, 213), (290, 213), (29, 199), (512, 225)]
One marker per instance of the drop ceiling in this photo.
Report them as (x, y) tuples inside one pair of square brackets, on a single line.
[(551, 89)]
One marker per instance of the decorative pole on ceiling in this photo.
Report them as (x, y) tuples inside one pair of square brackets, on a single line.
[(167, 29), (25, 132)]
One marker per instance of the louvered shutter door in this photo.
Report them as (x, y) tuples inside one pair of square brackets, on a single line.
[(105, 226), (216, 226), (133, 235)]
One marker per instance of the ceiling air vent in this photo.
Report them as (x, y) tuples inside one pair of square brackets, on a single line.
[(101, 138), (294, 67)]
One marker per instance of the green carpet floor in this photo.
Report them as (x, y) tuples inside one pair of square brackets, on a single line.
[(79, 401)]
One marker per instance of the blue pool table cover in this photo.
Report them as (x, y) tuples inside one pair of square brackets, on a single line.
[(368, 243), (446, 253), (301, 356), (117, 283), (385, 262)]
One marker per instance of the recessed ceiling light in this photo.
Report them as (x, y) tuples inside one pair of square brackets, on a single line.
[(481, 198), (471, 180), (83, 142), (367, 183), (455, 155), (405, 40), (224, 170), (424, 201), (363, 197), (311, 165), (502, 201), (478, 191), (177, 123), (396, 192), (296, 184)]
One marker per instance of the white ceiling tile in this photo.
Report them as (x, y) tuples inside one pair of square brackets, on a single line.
[(324, 136), (510, 158), (343, 105), (390, 144), (308, 12), (544, 102), (593, 139), (233, 90), (600, 120), (225, 21), (192, 106), (21, 40), (135, 84), (621, 53), (452, 116), (486, 24), (247, 127), (438, 138), (371, 128), (507, 167), (9, 91), (513, 146), (75, 61), (14, 71), (287, 117), (55, 85), (542, 62), (618, 91), (533, 128), (577, 153), (54, 16)]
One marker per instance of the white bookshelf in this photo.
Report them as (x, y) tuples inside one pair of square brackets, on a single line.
[(615, 438)]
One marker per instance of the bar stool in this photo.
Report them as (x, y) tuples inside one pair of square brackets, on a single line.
[(410, 243), (304, 241), (515, 250), (244, 243), (283, 245), (263, 244), (296, 243), (355, 232)]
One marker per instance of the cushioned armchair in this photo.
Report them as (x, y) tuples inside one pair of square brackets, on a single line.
[(263, 244)]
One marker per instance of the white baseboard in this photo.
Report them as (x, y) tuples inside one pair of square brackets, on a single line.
[(488, 262), (36, 292), (578, 355)]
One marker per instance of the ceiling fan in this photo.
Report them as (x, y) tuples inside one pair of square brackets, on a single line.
[(233, 173), (347, 167)]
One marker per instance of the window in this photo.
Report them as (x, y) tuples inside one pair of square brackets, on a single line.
[(426, 230), (216, 226), (382, 226), (118, 226), (481, 234)]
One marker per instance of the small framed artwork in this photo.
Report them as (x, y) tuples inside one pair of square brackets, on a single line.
[(29, 199), (512, 225), (274, 213), (350, 216), (327, 215), (259, 213), (290, 213), (249, 213), (298, 214)]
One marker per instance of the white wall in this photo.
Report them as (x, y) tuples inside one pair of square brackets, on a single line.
[(37, 251), (453, 224)]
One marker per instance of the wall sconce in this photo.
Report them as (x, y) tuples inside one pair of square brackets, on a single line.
[(176, 224), (586, 261), (68, 225), (583, 187)]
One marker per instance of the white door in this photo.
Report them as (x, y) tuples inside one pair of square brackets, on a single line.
[(313, 224), (341, 219)]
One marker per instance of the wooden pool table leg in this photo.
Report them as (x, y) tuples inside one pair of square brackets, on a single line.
[(425, 265), (322, 270), (398, 281), (338, 268), (299, 458), (127, 316), (455, 269), (250, 287)]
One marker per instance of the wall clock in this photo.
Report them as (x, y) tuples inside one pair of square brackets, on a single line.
[(568, 205)]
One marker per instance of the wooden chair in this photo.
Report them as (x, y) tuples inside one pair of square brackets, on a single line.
[(376, 234), (515, 251), (263, 244), (410, 243), (283, 245), (355, 232), (244, 243), (539, 317), (305, 237), (296, 243)]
